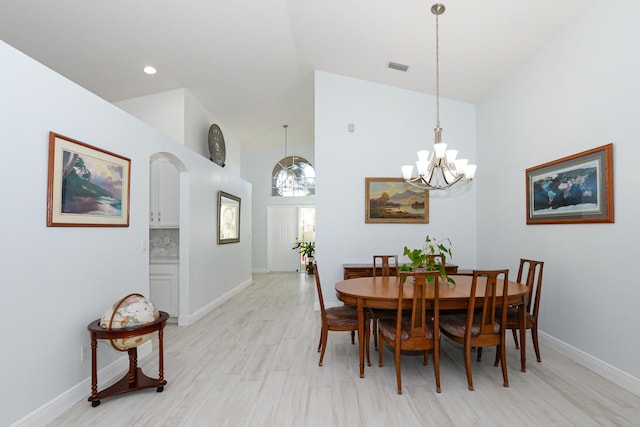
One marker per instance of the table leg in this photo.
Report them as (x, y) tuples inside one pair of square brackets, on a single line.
[(94, 369), (361, 337), (522, 309)]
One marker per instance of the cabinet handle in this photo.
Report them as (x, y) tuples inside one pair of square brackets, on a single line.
[(151, 216)]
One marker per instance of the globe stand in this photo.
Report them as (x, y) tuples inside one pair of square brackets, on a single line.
[(135, 379)]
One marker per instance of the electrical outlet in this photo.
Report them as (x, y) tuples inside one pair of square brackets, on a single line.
[(167, 240), (84, 353)]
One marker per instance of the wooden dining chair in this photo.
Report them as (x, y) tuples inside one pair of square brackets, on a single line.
[(481, 328), (533, 281), (343, 318), (418, 329), (386, 269)]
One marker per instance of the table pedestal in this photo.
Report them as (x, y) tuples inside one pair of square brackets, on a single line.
[(135, 379)]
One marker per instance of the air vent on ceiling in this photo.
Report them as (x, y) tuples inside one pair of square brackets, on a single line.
[(397, 66)]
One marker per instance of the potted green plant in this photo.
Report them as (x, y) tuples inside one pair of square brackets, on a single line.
[(307, 249), (423, 258)]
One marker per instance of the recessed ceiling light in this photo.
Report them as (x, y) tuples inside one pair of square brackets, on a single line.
[(149, 70)]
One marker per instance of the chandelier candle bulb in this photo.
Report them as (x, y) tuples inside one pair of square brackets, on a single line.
[(407, 171)]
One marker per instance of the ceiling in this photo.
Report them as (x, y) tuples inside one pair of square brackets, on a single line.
[(251, 62)]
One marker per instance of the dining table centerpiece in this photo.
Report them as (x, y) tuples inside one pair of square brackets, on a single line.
[(428, 257)]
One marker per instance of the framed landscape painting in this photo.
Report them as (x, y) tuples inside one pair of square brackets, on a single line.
[(574, 189), (228, 218), (86, 186), (392, 200)]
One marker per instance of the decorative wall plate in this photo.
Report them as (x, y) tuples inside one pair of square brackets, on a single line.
[(217, 149)]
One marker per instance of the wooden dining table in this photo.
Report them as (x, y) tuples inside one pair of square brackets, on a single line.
[(382, 293)]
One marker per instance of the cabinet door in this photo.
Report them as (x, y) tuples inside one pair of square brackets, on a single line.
[(161, 292), (163, 287), (165, 194)]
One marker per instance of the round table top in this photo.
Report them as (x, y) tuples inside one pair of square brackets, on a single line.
[(382, 292), (104, 333)]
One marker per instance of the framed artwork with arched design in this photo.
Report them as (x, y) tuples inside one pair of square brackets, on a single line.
[(228, 218)]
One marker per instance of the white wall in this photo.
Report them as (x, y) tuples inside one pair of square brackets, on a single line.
[(55, 280), (580, 92), (391, 125), (181, 117), (163, 111)]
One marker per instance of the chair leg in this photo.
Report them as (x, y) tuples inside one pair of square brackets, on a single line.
[(380, 349), (353, 337), (467, 365), (367, 339), (515, 338), (320, 342), (398, 374), (325, 335), (534, 335), (479, 359), (503, 356), (436, 364), (495, 363), (375, 334)]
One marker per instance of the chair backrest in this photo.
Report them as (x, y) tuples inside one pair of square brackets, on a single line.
[(533, 280), (323, 313), (436, 259), (491, 300), (421, 282), (386, 267)]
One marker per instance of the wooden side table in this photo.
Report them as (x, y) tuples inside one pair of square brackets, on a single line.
[(134, 379), (352, 271)]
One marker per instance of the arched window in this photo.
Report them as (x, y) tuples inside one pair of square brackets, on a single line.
[(293, 176)]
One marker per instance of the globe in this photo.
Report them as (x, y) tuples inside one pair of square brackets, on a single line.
[(131, 311)]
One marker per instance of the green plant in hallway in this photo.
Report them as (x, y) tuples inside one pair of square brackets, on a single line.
[(307, 249)]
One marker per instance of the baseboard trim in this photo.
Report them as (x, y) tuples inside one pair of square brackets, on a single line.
[(199, 314), (81, 391), (613, 374)]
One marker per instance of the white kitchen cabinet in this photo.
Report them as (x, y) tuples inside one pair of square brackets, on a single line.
[(163, 286), (164, 198)]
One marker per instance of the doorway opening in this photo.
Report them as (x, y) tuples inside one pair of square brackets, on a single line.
[(286, 226)]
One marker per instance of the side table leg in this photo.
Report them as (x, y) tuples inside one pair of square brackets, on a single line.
[(133, 364), (161, 381), (94, 369)]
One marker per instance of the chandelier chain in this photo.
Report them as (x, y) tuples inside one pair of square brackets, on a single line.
[(437, 74)]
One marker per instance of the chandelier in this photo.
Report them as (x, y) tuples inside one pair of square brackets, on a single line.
[(442, 169), (287, 176)]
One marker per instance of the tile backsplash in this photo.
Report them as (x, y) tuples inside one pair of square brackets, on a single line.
[(164, 242)]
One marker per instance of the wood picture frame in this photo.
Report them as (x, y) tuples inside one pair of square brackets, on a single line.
[(86, 185), (228, 218), (393, 201), (571, 190)]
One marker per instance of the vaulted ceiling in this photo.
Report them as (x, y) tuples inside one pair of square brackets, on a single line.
[(251, 62)]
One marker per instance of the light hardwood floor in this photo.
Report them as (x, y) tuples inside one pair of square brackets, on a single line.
[(253, 362)]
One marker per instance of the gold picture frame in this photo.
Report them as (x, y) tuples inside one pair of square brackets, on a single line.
[(86, 186), (393, 201)]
